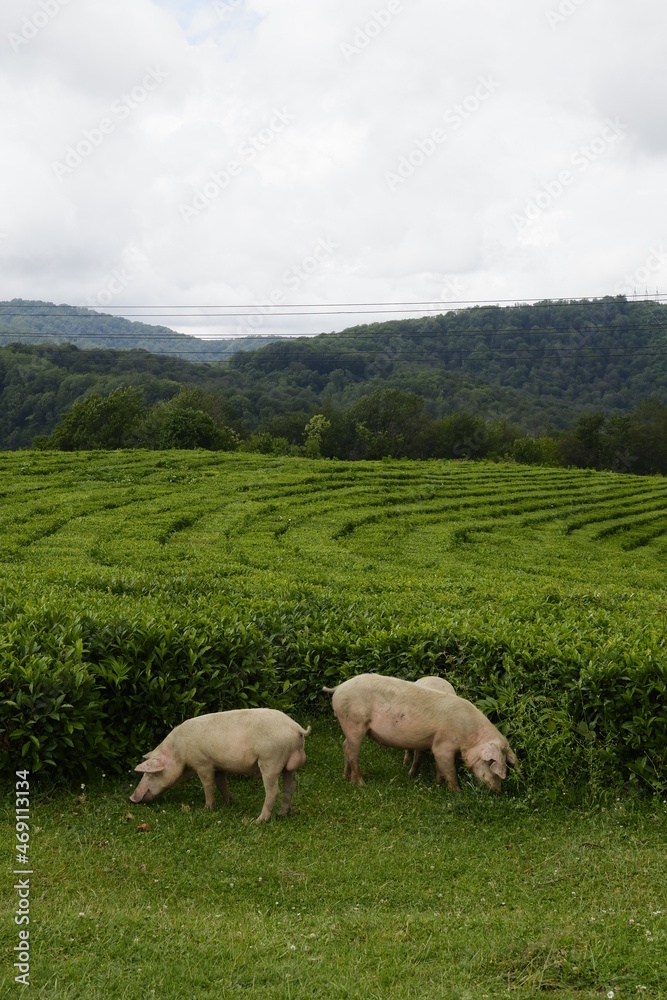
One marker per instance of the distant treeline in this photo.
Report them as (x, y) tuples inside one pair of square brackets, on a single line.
[(387, 423), (539, 366)]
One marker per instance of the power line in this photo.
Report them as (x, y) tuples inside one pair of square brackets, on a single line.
[(163, 310)]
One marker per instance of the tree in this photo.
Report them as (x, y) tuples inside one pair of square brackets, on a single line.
[(188, 428), (315, 428), (392, 423), (97, 422), (583, 446)]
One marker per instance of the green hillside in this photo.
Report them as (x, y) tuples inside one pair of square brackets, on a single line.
[(538, 367), (33, 322), (39, 383)]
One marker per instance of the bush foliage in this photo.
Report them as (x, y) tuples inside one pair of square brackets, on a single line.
[(145, 588), (82, 692)]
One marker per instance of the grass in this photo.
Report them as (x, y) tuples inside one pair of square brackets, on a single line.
[(396, 890)]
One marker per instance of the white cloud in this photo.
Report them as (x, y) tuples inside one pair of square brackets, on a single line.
[(221, 72)]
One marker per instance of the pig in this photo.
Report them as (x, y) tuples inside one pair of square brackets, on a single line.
[(397, 713), (254, 741), (432, 684)]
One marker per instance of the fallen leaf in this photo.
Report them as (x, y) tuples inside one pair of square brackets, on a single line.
[(143, 828), (184, 808)]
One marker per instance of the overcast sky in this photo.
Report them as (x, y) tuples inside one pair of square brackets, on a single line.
[(189, 154)]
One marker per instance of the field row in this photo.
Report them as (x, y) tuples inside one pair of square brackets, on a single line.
[(221, 503)]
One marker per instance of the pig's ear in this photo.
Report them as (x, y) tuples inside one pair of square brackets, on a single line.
[(154, 764), (495, 758)]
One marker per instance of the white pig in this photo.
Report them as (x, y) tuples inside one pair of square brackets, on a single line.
[(252, 741), (397, 713), (440, 685)]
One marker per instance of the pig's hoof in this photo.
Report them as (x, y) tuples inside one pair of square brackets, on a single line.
[(263, 819)]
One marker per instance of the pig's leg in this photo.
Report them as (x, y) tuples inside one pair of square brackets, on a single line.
[(406, 758), (221, 782), (352, 748), (271, 787), (289, 781), (446, 768), (416, 757), (207, 777)]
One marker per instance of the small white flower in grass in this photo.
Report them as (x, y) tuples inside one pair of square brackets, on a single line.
[(82, 914), (292, 947), (610, 995), (83, 786)]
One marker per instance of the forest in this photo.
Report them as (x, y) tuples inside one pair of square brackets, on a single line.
[(561, 383)]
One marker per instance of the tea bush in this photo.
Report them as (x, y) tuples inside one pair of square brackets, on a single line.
[(141, 589)]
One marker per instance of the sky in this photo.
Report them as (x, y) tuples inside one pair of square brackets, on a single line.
[(219, 166)]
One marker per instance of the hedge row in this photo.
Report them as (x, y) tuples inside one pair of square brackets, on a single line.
[(80, 693)]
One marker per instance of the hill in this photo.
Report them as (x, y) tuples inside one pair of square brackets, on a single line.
[(539, 366), (34, 322)]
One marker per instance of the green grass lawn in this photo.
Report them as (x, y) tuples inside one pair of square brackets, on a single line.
[(397, 890)]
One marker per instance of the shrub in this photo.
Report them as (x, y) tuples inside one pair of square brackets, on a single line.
[(79, 691)]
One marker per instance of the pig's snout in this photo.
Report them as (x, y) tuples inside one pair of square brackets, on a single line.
[(141, 794)]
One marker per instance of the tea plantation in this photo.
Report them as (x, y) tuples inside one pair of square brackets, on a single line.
[(139, 588)]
